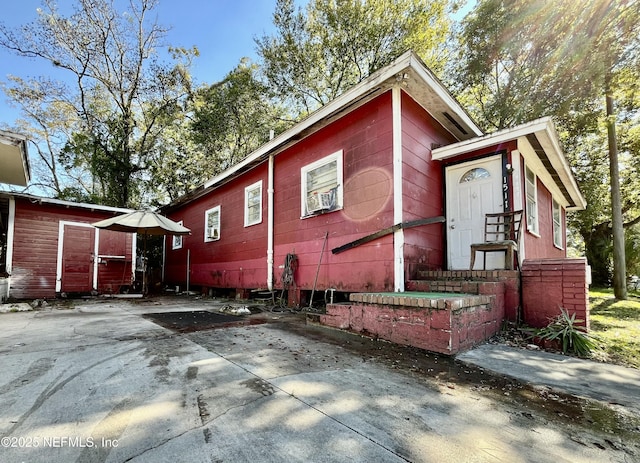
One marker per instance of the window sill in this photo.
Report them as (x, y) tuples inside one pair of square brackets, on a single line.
[(321, 212)]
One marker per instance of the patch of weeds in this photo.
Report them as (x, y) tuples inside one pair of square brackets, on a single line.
[(569, 333)]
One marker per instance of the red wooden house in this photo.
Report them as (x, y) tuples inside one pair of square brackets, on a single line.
[(49, 248), (371, 194)]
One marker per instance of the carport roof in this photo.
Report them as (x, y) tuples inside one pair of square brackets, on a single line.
[(14, 159)]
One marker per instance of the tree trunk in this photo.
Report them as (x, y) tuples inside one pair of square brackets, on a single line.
[(619, 257)]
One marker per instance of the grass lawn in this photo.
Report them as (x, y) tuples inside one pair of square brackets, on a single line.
[(616, 325)]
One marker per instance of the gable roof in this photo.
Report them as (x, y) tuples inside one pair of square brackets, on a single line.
[(538, 143), (408, 69), (14, 159)]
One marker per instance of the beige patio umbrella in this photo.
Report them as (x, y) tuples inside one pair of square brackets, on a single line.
[(144, 223)]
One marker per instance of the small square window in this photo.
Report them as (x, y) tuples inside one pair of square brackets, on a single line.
[(212, 224), (177, 239), (322, 185), (253, 204)]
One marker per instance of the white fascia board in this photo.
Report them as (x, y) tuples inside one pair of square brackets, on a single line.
[(494, 138), (14, 157), (543, 129), (60, 202), (407, 61), (320, 114), (432, 81)]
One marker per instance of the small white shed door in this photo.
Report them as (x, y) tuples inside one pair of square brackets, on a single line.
[(473, 189)]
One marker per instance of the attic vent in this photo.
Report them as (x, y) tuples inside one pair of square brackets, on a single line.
[(454, 122)]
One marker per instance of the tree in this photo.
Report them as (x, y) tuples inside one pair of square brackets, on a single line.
[(317, 55), (523, 59), (117, 98), (234, 117)]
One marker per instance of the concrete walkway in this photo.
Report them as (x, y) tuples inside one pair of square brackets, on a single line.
[(99, 382), (612, 384)]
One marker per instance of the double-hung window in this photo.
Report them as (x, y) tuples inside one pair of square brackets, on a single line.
[(212, 224), (322, 185), (532, 201), (557, 225), (177, 239), (253, 204)]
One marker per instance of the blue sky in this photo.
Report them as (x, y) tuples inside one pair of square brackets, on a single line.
[(223, 31)]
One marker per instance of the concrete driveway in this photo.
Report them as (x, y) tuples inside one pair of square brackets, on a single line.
[(95, 381)]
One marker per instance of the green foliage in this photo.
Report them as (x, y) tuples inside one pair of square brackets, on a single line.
[(315, 55), (234, 117), (523, 59), (569, 333), (118, 102)]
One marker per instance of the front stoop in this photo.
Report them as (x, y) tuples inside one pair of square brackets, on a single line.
[(503, 284), (439, 323)]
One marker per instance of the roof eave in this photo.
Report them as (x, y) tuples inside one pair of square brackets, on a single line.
[(379, 81), (14, 158), (544, 131)]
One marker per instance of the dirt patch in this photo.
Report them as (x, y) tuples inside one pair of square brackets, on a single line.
[(198, 320)]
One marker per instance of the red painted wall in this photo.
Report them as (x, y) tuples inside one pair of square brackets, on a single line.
[(539, 247), (35, 248), (422, 187), (239, 258), (365, 137)]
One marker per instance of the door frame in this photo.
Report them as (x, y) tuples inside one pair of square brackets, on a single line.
[(504, 186), (96, 240)]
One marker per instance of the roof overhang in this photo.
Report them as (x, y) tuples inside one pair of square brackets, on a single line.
[(14, 159), (538, 143), (407, 71), (65, 204)]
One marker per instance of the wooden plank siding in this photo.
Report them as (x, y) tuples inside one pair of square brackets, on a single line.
[(541, 245), (238, 258), (35, 249), (365, 138)]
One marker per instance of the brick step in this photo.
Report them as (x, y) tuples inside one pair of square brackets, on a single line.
[(467, 275), (419, 300), (456, 286), (433, 322)]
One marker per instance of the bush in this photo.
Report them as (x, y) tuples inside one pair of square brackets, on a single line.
[(573, 338)]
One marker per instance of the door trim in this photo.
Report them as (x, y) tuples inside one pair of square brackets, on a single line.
[(500, 156), (61, 225)]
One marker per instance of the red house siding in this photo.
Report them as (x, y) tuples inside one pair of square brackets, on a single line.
[(539, 247), (238, 258), (35, 249), (422, 187), (365, 138)]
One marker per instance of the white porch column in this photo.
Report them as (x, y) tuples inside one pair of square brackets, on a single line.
[(398, 236)]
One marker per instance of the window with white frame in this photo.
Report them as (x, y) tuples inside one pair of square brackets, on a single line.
[(177, 239), (212, 224), (557, 225), (253, 204), (321, 184), (532, 201)]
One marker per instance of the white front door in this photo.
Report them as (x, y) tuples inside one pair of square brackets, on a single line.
[(473, 189)]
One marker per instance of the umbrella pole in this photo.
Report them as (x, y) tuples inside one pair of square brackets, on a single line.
[(144, 265)]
